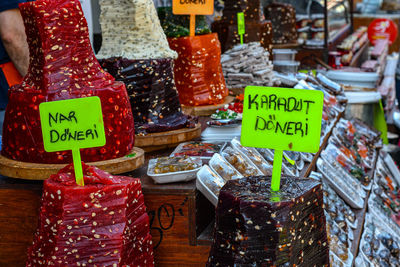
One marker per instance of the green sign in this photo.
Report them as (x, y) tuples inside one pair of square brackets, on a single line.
[(241, 26), (282, 119), (71, 125)]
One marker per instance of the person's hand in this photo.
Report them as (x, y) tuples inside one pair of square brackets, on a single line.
[(12, 34)]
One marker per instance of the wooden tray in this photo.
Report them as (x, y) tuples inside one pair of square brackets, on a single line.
[(157, 141), (36, 171), (205, 110)]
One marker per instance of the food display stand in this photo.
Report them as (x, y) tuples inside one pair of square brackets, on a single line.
[(177, 140)]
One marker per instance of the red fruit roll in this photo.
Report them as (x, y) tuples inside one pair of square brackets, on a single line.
[(198, 70), (103, 223), (62, 66)]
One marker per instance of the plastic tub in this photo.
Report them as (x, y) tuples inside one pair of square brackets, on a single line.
[(284, 54), (286, 66), (173, 177)]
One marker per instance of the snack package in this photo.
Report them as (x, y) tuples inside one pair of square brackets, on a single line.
[(103, 223), (62, 66), (255, 228), (198, 71)]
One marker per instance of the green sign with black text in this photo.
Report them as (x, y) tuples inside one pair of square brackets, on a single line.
[(71, 125), (283, 119)]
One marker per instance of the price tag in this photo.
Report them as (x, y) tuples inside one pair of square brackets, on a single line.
[(71, 125), (241, 26), (193, 8), (282, 119)]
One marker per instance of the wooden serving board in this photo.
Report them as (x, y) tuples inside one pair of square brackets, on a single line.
[(36, 171), (205, 110), (157, 141)]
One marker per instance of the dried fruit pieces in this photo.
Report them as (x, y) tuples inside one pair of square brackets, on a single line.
[(103, 223), (62, 66), (198, 71), (255, 228)]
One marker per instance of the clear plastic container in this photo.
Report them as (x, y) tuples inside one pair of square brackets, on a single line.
[(286, 66), (172, 177), (284, 54), (350, 193), (203, 150), (209, 183), (240, 163), (252, 154), (223, 168)]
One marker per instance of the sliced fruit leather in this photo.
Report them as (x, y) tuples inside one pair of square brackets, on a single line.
[(62, 66), (257, 29), (152, 93), (198, 70), (103, 223), (283, 19), (256, 228)]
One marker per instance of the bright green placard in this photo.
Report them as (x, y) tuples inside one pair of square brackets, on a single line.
[(282, 119), (74, 123), (241, 25), (71, 125)]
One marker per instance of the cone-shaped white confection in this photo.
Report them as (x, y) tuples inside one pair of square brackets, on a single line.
[(131, 29)]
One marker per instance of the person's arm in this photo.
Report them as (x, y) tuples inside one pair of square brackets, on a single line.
[(12, 34)]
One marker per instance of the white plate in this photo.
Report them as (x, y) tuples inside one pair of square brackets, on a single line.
[(172, 177), (179, 148)]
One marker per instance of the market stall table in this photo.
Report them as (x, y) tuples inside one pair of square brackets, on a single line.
[(178, 215)]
